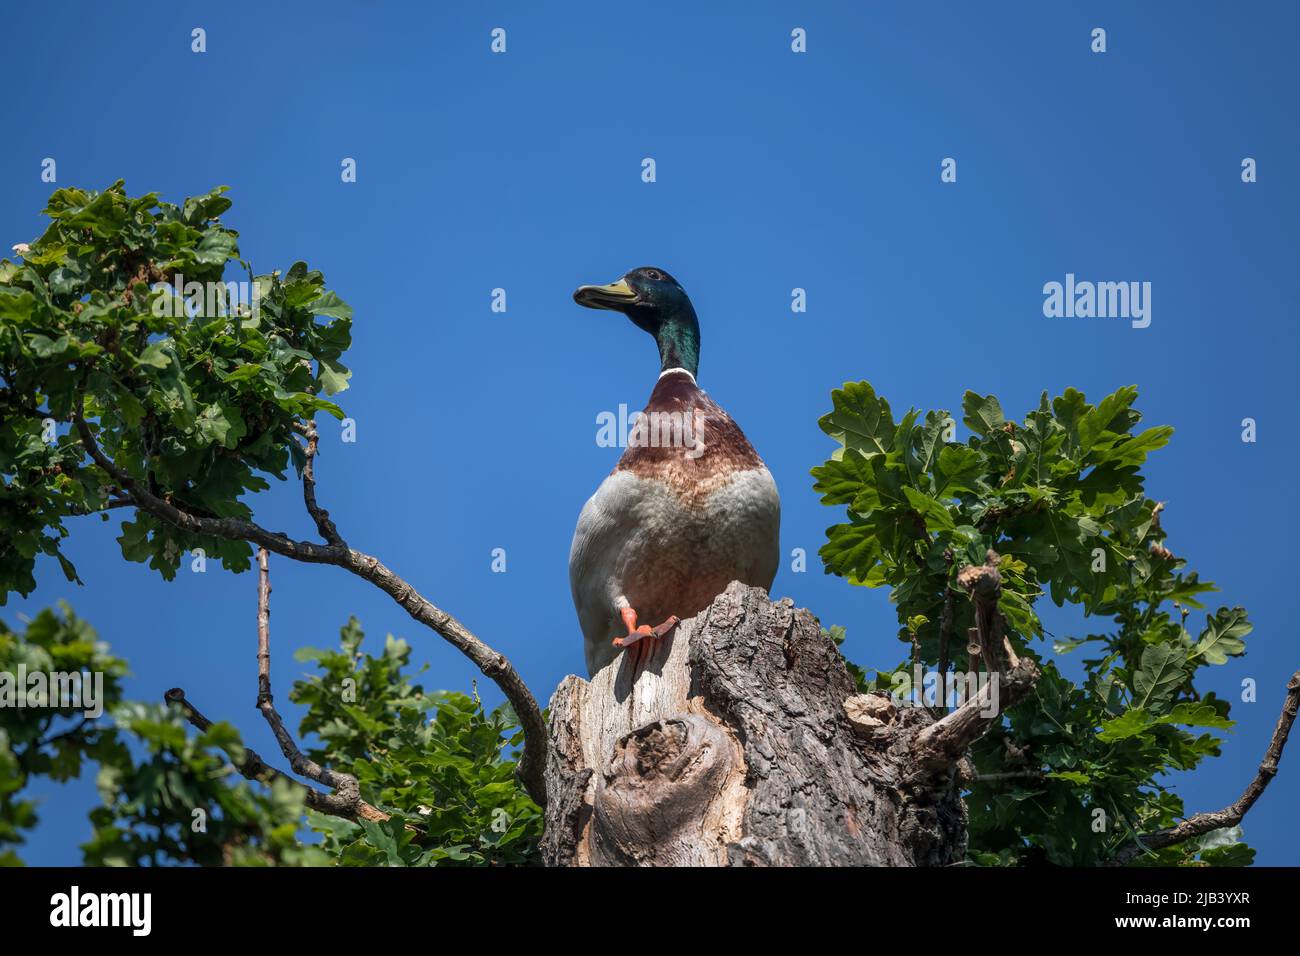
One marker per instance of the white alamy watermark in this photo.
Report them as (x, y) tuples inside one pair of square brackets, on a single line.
[(132, 910), (924, 687), (53, 690), (652, 430), (212, 298), (1103, 300)]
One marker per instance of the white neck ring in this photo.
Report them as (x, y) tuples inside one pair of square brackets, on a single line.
[(670, 371)]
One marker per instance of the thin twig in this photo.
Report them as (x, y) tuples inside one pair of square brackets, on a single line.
[(253, 767), (945, 640), (263, 629), (1008, 775), (64, 735), (231, 528), (1231, 815), (344, 785), (80, 511), (318, 514)]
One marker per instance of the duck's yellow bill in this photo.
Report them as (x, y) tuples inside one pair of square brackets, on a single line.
[(604, 296)]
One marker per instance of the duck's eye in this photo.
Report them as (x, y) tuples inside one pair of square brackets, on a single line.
[(655, 275)]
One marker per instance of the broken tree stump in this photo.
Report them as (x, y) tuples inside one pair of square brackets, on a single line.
[(740, 739)]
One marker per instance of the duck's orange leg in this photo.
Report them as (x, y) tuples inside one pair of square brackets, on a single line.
[(636, 633)]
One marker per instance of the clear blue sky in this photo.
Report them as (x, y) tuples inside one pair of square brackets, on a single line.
[(775, 170)]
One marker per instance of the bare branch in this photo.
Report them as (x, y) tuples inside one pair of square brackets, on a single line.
[(1012, 656), (230, 528), (253, 767), (982, 581), (318, 514), (123, 502), (945, 633), (944, 742), (1231, 815), (492, 664), (347, 793), (1009, 775), (70, 732)]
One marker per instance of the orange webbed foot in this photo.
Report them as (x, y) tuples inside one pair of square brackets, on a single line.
[(637, 632)]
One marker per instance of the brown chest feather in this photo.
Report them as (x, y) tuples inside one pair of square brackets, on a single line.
[(686, 441)]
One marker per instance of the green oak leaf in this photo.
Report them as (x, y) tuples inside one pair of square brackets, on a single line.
[(984, 413), (859, 420), (1162, 671), (1132, 722), (333, 376), (1222, 637)]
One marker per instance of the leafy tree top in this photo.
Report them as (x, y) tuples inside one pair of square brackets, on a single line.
[(133, 375), (120, 309), (1059, 499)]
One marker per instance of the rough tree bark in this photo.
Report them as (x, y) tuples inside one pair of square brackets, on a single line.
[(740, 739)]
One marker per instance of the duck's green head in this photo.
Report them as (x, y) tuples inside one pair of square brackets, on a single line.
[(654, 301)]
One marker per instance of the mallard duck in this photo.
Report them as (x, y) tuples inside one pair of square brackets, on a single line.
[(689, 508)]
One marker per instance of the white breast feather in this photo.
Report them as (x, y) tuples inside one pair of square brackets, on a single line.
[(636, 544)]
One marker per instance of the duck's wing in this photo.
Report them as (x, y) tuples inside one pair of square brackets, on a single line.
[(606, 523)]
